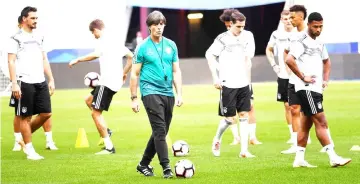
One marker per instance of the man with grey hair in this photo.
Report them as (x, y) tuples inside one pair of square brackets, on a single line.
[(156, 63)]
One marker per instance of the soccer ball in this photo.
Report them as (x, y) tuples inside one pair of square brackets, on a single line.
[(92, 79), (180, 148), (184, 169)]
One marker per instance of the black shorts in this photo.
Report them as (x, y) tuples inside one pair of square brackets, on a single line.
[(233, 100), (292, 97), (311, 102), (102, 98), (251, 92), (35, 99), (92, 92), (282, 92)]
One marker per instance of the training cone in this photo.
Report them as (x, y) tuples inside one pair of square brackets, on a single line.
[(81, 140), (168, 141), (355, 148)]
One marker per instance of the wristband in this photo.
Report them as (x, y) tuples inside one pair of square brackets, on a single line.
[(133, 97)]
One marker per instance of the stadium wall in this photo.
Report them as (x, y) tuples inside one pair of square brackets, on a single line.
[(196, 71)]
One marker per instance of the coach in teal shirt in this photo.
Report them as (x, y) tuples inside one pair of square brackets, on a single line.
[(157, 63), (157, 66)]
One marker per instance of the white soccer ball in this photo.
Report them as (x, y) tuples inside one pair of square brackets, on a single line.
[(184, 169), (180, 148), (91, 79)]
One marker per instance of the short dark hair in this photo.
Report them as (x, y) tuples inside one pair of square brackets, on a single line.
[(25, 13), (299, 8), (155, 17), (315, 16), (96, 24), (226, 15), (237, 16)]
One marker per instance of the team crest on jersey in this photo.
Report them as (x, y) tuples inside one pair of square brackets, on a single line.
[(168, 50), (313, 51), (319, 105), (279, 96), (225, 110), (12, 101), (24, 110)]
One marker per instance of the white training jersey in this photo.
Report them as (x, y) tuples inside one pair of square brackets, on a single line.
[(310, 54), (295, 35), (232, 52), (279, 42), (29, 49), (111, 62)]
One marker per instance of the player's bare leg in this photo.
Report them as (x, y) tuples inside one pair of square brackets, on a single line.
[(47, 126), (88, 102), (223, 125), (102, 129), (244, 135), (252, 125), (288, 120), (235, 132), (39, 121), (302, 136), (321, 126), (331, 140), (26, 126), (19, 143), (309, 139)]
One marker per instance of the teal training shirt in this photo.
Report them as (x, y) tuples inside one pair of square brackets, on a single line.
[(156, 74)]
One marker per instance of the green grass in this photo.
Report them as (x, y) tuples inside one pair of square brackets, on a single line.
[(196, 123)]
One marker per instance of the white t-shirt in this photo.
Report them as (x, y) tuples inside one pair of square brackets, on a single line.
[(232, 51), (29, 49), (279, 41), (310, 54), (111, 62), (295, 36)]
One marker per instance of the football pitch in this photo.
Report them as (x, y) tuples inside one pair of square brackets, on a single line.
[(195, 122)]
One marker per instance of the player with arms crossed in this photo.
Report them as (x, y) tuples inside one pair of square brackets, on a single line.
[(47, 126), (113, 76), (274, 51), (30, 90), (234, 48), (157, 64), (225, 18), (313, 69)]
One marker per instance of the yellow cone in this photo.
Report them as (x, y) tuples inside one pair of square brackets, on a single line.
[(168, 141), (355, 148), (81, 140)]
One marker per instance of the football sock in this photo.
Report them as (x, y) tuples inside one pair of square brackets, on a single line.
[(48, 136), (244, 134), (108, 144), (252, 131), (223, 125), (235, 131), (330, 151), (300, 153), (18, 136)]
